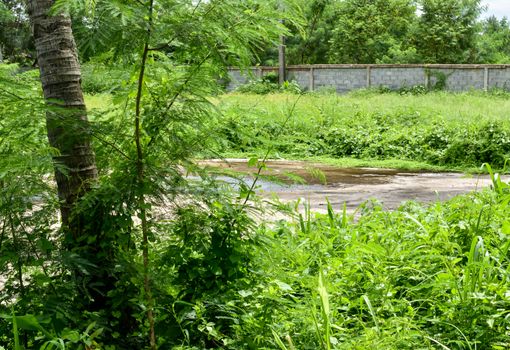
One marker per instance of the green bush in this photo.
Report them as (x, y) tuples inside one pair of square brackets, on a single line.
[(318, 127), (408, 279), (99, 78), (269, 84), (412, 278)]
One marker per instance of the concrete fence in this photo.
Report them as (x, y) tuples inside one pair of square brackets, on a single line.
[(347, 77)]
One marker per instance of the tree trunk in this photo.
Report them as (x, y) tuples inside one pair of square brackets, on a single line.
[(67, 124)]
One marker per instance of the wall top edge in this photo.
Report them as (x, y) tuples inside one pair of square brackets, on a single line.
[(375, 66)]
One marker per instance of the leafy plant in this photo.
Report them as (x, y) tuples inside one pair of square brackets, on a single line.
[(355, 126), (440, 79), (269, 84), (172, 53)]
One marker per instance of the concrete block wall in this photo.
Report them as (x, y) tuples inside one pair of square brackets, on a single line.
[(300, 76), (236, 79), (460, 79), (499, 78), (341, 79), (344, 77), (395, 77)]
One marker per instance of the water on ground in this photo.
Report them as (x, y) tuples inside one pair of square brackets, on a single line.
[(351, 186)]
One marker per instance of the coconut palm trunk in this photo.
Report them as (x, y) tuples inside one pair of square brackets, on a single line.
[(67, 124)]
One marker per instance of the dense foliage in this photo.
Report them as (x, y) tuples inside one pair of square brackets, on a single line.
[(416, 278), (383, 38), (170, 257), (334, 31), (101, 285), (446, 31), (396, 31), (372, 125), (494, 44), (419, 277), (15, 38)]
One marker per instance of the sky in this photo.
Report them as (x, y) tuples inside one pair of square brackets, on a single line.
[(498, 8)]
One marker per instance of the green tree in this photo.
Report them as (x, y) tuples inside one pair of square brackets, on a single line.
[(174, 51), (446, 31), (16, 44), (311, 44), (68, 132), (494, 41), (75, 168), (370, 31)]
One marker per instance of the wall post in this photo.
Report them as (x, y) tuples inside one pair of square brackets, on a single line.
[(485, 78), (369, 80), (311, 86)]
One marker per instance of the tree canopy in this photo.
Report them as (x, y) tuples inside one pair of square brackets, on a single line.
[(370, 31), (397, 31), (16, 43), (493, 45), (447, 31), (334, 31)]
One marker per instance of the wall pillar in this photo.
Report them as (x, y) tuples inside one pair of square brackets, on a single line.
[(311, 86), (486, 79)]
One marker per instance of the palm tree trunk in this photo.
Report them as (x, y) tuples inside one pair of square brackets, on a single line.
[(67, 124), (75, 168)]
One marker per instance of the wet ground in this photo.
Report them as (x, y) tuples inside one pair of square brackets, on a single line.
[(353, 186)]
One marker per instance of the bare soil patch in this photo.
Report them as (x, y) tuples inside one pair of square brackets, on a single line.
[(353, 186)]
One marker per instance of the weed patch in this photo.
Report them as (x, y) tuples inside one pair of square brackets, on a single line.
[(427, 129)]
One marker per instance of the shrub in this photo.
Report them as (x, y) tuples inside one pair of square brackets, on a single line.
[(320, 129), (99, 78), (269, 84)]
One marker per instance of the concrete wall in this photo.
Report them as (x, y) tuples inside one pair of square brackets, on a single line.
[(499, 78), (395, 78), (344, 78)]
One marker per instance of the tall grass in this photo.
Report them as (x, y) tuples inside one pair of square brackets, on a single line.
[(439, 129), (431, 107), (416, 278)]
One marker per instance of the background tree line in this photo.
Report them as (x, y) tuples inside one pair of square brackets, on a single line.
[(344, 31), (397, 31)]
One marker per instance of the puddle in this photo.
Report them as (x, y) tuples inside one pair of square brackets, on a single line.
[(308, 172), (353, 186)]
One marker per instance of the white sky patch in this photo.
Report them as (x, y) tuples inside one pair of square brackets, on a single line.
[(498, 8)]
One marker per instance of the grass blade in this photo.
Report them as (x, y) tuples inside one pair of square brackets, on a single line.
[(372, 313), (15, 331), (279, 341)]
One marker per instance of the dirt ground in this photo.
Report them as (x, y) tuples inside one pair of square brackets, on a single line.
[(354, 186)]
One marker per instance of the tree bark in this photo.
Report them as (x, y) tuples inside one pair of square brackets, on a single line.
[(67, 124)]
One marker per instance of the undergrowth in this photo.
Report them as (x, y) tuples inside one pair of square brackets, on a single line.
[(420, 277), (222, 277), (269, 84), (416, 278), (435, 128)]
